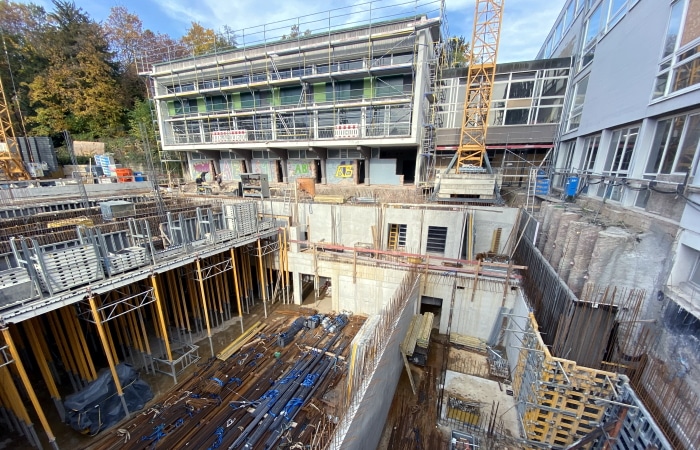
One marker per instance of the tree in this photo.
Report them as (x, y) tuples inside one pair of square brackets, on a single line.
[(457, 52), (78, 91), (200, 40), (21, 25), (294, 33)]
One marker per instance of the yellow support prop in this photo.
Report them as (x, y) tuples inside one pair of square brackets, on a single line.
[(204, 305), (235, 284), (28, 387), (161, 317), (103, 338)]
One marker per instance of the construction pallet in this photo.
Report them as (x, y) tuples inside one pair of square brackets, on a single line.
[(67, 268), (126, 259)]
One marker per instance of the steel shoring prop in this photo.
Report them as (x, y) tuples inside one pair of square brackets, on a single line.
[(234, 269), (204, 305), (210, 271), (261, 271), (116, 308), (28, 387)]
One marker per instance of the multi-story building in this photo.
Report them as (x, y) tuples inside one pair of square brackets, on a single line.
[(629, 137), (340, 106)]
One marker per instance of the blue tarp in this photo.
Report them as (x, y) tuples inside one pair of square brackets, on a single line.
[(98, 406)]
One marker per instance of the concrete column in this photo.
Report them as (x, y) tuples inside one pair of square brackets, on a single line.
[(569, 249), (545, 219), (560, 240), (582, 257), (551, 233), (367, 172), (610, 245), (323, 171), (296, 280)]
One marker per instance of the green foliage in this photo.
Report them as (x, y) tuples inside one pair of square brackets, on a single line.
[(295, 33), (456, 52)]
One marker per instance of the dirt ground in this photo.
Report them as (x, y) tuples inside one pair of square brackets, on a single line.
[(412, 420)]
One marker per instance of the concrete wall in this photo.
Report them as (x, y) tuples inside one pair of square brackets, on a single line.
[(231, 169), (266, 166), (301, 168), (476, 318), (368, 418), (341, 171), (383, 171)]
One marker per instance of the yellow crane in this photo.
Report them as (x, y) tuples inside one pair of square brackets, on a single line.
[(11, 164), (482, 69)]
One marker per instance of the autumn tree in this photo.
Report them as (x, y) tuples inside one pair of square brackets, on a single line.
[(78, 90), (200, 40)]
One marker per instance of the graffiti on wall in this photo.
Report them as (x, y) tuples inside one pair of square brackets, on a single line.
[(341, 171), (344, 170), (263, 166), (300, 168), (198, 167), (231, 169)]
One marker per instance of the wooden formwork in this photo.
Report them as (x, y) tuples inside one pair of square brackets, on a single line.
[(560, 401)]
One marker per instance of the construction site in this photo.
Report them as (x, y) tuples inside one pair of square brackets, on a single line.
[(480, 293)]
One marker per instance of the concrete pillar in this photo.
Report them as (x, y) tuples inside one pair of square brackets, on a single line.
[(296, 280), (367, 172), (582, 257), (545, 221), (323, 171), (561, 238), (551, 232), (569, 249), (610, 244)]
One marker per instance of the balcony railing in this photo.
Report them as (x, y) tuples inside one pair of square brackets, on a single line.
[(371, 131)]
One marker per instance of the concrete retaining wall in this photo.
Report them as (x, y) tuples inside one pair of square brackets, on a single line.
[(369, 415)]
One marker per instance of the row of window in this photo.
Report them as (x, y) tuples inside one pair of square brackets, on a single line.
[(680, 60), (338, 123), (436, 242), (517, 98), (318, 93), (674, 150), (562, 25), (274, 74), (602, 17)]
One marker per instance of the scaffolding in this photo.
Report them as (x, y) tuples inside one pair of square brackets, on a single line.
[(341, 75)]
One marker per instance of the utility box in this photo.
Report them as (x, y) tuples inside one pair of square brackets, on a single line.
[(255, 185), (117, 209)]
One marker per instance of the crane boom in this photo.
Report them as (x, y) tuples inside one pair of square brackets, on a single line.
[(11, 163), (482, 69)]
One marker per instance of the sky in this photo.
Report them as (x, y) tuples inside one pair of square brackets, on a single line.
[(526, 23)]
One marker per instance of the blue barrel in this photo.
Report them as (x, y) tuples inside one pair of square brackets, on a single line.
[(138, 176), (571, 186)]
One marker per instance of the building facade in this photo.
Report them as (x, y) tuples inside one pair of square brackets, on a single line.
[(629, 136), (340, 107)]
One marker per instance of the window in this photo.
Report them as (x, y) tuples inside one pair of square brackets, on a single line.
[(591, 36), (617, 164), (675, 145), (217, 103), (680, 60), (185, 106), (577, 104), (590, 145), (694, 277), (437, 238), (397, 236)]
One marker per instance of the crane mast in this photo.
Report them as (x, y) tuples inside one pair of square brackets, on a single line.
[(482, 69), (11, 163)]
